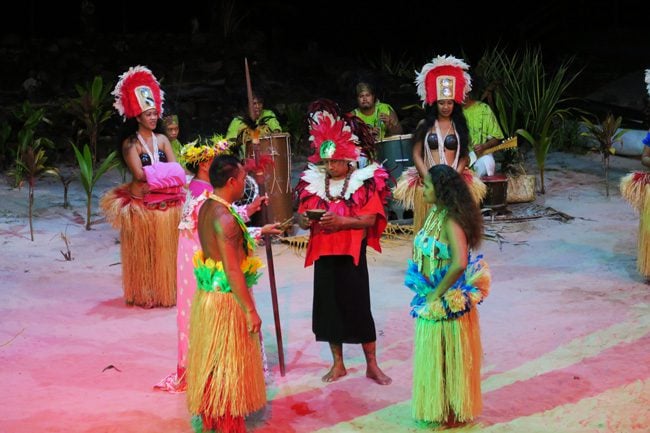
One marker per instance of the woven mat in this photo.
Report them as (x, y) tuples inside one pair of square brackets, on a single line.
[(517, 212), (393, 232)]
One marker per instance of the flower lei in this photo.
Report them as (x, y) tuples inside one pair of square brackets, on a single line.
[(343, 191), (248, 239)]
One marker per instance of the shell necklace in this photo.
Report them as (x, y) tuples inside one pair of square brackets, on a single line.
[(341, 196), (152, 155)]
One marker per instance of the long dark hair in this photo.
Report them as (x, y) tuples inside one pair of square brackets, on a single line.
[(457, 116), (453, 194)]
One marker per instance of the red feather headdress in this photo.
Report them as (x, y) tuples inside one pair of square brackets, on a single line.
[(137, 90), (331, 138), (445, 77)]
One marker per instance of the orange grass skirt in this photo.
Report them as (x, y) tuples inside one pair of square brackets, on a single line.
[(148, 241)]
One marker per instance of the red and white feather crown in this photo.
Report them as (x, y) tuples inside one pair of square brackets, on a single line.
[(137, 90), (331, 138), (445, 77)]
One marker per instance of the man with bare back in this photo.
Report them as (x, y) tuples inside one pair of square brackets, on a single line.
[(225, 378)]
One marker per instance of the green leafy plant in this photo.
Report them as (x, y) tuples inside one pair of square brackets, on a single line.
[(606, 134), (536, 100), (89, 176), (92, 109), (401, 67), (32, 164), (227, 17), (66, 179), (31, 119)]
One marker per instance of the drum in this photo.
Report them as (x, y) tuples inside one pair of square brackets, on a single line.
[(497, 190), (277, 179), (396, 154)]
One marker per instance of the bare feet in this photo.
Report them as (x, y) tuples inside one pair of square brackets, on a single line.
[(334, 374), (378, 376)]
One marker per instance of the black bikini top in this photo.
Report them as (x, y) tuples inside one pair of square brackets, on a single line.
[(451, 142), (146, 160)]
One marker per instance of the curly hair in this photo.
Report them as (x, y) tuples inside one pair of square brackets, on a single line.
[(453, 193), (457, 116)]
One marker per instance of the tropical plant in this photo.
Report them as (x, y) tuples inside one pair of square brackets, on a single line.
[(89, 176), (606, 134), (227, 17), (26, 137), (66, 179), (67, 255), (92, 109), (401, 67), (32, 164), (537, 100)]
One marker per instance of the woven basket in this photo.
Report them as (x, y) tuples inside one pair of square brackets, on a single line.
[(521, 188)]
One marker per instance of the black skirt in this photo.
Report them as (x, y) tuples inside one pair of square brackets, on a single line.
[(341, 310)]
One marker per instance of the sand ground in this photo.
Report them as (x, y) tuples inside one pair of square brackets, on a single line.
[(566, 329)]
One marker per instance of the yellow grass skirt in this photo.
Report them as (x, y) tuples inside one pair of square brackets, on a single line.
[(148, 241), (447, 369), (225, 378), (634, 188)]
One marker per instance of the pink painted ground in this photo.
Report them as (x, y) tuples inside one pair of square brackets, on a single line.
[(566, 330)]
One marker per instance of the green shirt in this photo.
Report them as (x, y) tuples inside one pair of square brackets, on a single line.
[(482, 124), (373, 119), (237, 125)]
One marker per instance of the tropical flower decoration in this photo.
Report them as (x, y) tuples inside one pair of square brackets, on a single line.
[(467, 292), (210, 275), (195, 152)]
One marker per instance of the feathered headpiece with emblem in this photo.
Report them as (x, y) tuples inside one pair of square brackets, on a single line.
[(331, 137), (445, 77), (137, 90)]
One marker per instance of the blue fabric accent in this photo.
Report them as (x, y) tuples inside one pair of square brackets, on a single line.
[(646, 140), (422, 286)]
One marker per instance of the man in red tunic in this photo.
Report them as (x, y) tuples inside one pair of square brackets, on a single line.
[(353, 201)]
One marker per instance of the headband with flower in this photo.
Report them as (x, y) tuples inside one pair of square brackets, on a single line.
[(445, 77), (196, 152), (137, 91)]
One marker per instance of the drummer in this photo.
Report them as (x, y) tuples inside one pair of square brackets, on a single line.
[(263, 119), (484, 132), (381, 117)]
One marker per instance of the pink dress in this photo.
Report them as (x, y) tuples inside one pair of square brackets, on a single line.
[(188, 244)]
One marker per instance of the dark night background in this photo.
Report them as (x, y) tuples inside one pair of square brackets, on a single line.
[(299, 51)]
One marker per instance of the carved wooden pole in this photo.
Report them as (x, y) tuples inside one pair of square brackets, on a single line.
[(265, 219)]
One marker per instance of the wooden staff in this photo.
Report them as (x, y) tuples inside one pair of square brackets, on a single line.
[(267, 238)]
